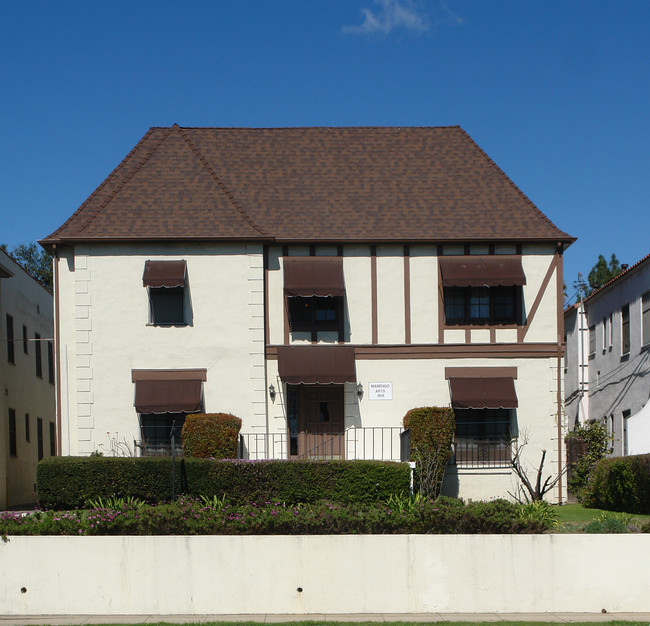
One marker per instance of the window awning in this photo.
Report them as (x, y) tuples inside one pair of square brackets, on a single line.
[(483, 393), (310, 365), (164, 274), (168, 396), (482, 271), (313, 276)]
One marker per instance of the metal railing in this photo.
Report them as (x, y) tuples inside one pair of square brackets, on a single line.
[(481, 452), (374, 443), (155, 448)]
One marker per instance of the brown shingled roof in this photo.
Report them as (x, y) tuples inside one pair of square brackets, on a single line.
[(308, 184)]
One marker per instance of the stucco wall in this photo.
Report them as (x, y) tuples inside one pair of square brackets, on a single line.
[(105, 334), (421, 382), (424, 300), (337, 574), (29, 304), (619, 382)]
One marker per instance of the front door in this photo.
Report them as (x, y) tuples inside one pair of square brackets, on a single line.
[(316, 421)]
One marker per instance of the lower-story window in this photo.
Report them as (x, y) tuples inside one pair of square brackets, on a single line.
[(156, 430), (483, 437)]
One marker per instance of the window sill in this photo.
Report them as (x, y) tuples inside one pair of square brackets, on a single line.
[(179, 324), (487, 325)]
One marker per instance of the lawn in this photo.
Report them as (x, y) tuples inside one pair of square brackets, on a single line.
[(404, 623), (574, 516)]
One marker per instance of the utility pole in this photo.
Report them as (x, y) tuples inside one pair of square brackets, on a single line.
[(583, 351)]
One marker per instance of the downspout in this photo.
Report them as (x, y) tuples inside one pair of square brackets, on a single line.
[(265, 269), (57, 351), (560, 338)]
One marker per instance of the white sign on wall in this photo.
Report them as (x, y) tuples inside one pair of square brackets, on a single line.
[(380, 391)]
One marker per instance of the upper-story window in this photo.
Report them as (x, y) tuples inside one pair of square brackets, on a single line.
[(37, 355), (11, 357), (166, 283), (482, 290), (592, 340), (50, 362), (314, 313), (315, 290), (645, 319), (625, 329)]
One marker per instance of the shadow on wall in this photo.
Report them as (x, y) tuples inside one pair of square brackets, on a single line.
[(450, 484)]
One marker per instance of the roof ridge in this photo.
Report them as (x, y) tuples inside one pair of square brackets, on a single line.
[(510, 182), (85, 221), (231, 197), (400, 127)]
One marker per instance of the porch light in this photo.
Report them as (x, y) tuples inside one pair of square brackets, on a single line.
[(272, 392), (359, 391)]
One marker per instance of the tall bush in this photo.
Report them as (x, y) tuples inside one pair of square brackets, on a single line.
[(432, 433), (596, 442), (211, 435), (621, 484)]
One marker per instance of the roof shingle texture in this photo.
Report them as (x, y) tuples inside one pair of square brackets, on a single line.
[(308, 184)]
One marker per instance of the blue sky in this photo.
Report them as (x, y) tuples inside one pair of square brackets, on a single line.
[(557, 93)]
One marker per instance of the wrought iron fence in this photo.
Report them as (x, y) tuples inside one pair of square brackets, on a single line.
[(375, 443), (155, 448), (481, 452)]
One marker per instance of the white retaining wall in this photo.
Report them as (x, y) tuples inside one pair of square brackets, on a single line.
[(337, 574)]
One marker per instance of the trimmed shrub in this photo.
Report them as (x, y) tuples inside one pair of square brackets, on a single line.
[(70, 482), (432, 433), (211, 435), (621, 484)]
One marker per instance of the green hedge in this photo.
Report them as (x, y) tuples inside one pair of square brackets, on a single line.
[(69, 482), (621, 484)]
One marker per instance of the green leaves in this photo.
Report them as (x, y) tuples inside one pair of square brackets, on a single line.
[(432, 433), (211, 435), (35, 260)]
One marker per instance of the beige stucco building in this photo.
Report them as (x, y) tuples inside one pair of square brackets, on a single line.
[(27, 374), (318, 283)]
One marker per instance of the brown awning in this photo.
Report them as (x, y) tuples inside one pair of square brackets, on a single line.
[(316, 364), (313, 276), (168, 396), (164, 274), (483, 393), (482, 271)]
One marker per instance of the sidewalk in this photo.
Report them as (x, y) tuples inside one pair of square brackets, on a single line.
[(563, 618)]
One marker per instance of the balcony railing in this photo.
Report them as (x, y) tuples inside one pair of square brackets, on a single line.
[(379, 443)]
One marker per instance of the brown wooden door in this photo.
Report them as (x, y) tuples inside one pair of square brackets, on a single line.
[(321, 421)]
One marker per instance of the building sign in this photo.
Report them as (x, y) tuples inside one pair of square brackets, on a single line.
[(380, 391)]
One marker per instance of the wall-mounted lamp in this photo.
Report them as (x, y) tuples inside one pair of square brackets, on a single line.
[(359, 391), (272, 392)]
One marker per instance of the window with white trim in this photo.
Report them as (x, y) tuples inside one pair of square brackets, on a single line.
[(645, 319), (625, 329)]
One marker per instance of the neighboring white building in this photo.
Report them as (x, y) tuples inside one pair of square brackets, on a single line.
[(28, 432), (318, 283), (608, 359)]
